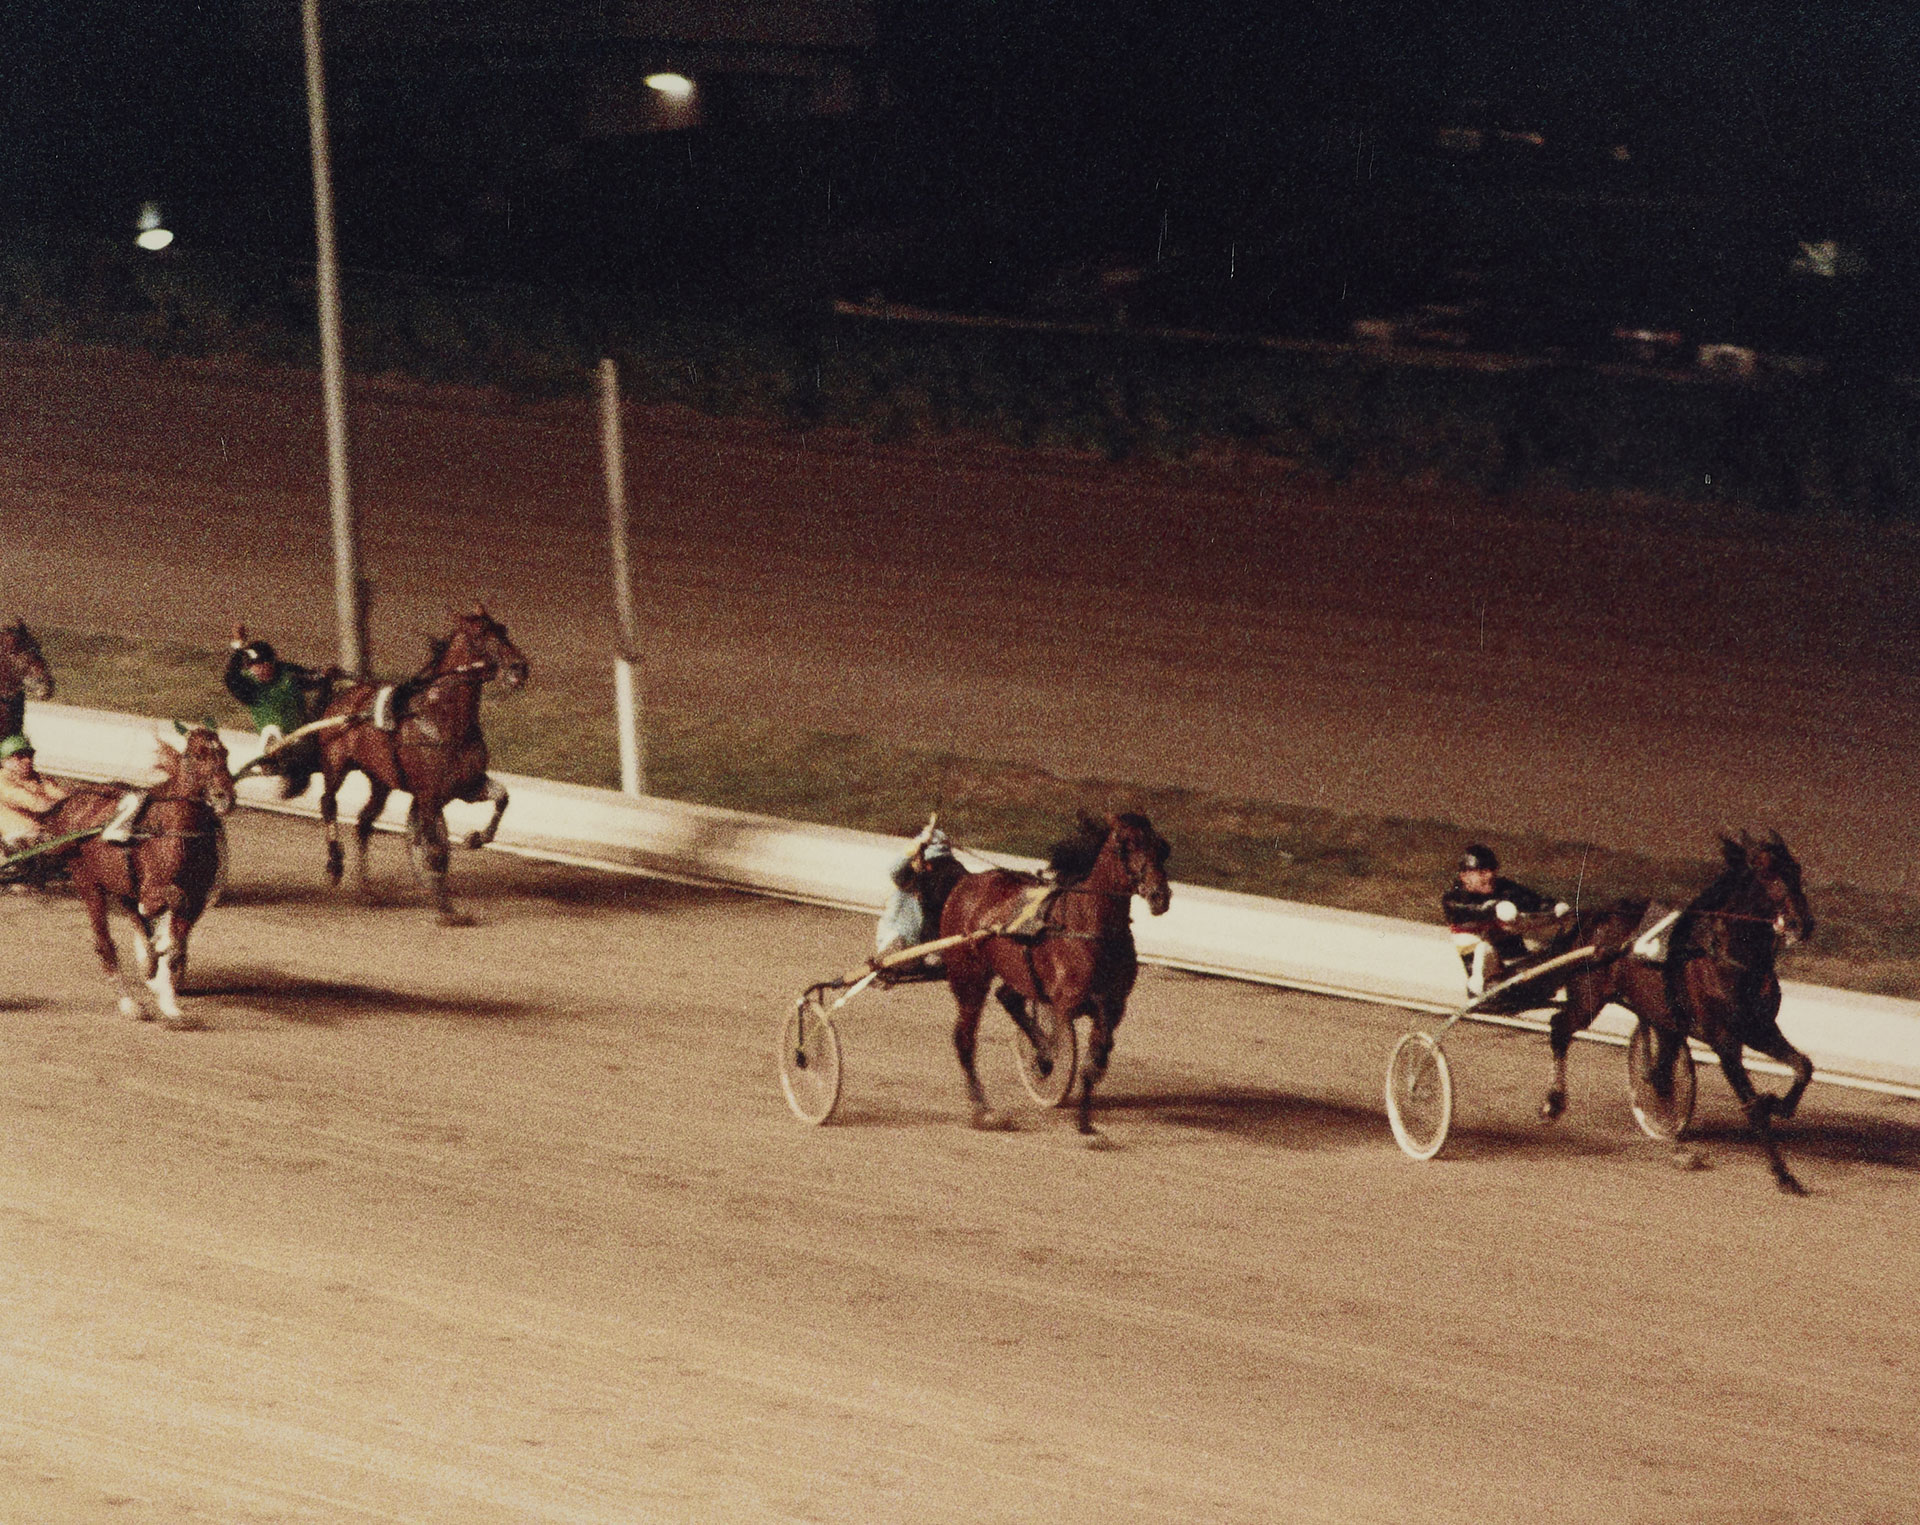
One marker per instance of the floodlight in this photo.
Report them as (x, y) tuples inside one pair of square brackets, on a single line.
[(676, 87), (154, 239)]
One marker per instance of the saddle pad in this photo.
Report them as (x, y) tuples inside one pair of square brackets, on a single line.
[(1650, 937), (1027, 916)]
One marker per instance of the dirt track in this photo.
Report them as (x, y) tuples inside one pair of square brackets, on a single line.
[(1633, 679), (510, 1224)]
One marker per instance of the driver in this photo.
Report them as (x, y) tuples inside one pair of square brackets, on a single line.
[(281, 697), (1481, 908), (921, 883), (25, 797)]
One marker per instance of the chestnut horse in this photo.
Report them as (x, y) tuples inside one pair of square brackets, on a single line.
[(24, 675), (164, 876), (434, 753), (1081, 962), (1718, 983)]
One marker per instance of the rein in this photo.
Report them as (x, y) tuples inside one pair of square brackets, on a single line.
[(1734, 916), (464, 670)]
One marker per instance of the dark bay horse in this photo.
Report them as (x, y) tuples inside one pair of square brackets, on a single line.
[(165, 875), (1081, 962), (1717, 984), (24, 675), (435, 753)]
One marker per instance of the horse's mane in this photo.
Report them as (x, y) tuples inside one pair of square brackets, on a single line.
[(1739, 871), (436, 653), (1072, 857)]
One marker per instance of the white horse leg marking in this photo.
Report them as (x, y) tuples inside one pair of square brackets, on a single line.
[(160, 980), (143, 950)]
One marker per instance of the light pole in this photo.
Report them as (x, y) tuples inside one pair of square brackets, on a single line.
[(349, 591), (626, 684)]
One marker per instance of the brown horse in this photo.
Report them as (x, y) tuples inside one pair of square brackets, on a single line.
[(1081, 962), (164, 876), (24, 675), (1718, 983), (435, 752)]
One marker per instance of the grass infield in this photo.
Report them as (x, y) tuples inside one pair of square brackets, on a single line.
[(561, 727)]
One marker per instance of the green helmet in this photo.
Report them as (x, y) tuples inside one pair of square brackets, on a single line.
[(13, 746)]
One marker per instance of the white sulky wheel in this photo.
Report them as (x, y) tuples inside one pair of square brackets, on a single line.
[(1052, 1088), (1419, 1096), (1660, 1117), (810, 1061)]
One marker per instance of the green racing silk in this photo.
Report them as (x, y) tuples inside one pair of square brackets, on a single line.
[(278, 704)]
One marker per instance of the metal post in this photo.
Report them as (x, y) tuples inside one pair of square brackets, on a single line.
[(626, 686), (349, 591)]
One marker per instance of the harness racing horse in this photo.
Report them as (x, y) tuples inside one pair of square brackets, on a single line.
[(24, 675), (1718, 983), (165, 875), (435, 752), (1081, 961)]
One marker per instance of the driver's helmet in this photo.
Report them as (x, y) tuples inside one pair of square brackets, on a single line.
[(13, 746), (258, 652), (1478, 856), (937, 846)]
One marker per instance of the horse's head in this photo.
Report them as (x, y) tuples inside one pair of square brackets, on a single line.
[(1142, 852), (22, 665), (1776, 874), (480, 642), (194, 758)]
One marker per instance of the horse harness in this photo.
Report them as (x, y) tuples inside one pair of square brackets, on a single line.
[(468, 672), (1039, 912)]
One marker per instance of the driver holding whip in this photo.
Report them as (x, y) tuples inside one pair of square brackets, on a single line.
[(1482, 911), (281, 696)]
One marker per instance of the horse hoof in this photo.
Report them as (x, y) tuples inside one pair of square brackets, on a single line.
[(1691, 1157), (452, 918), (475, 841), (1093, 1138), (986, 1120), (1788, 1182), (181, 1023), (131, 1009), (1552, 1107), (1762, 1109)]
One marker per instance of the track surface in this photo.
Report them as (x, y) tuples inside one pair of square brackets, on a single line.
[(1638, 679), (510, 1224)]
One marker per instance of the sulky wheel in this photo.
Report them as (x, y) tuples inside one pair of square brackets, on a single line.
[(1660, 1117), (810, 1061), (1419, 1096), (1050, 1081)]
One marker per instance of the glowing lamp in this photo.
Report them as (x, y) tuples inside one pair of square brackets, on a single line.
[(675, 87), (152, 235)]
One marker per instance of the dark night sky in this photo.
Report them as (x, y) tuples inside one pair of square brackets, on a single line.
[(1074, 125)]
